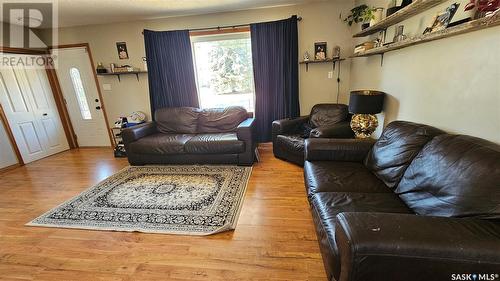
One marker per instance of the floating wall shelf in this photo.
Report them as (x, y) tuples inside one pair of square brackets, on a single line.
[(416, 7), (122, 73), (467, 27), (333, 61)]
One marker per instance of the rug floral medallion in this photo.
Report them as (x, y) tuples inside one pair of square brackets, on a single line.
[(190, 200)]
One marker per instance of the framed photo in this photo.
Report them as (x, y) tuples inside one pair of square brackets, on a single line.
[(121, 47), (320, 51), (442, 20)]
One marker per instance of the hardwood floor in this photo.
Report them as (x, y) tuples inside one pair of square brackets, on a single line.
[(274, 239)]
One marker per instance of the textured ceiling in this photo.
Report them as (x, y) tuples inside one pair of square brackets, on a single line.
[(85, 12)]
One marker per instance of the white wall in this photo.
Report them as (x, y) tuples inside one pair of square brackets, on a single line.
[(7, 155), (320, 23), (451, 83)]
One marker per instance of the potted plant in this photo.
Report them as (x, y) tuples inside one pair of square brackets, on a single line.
[(361, 13)]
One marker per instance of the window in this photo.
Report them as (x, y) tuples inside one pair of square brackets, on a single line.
[(224, 73), (80, 93)]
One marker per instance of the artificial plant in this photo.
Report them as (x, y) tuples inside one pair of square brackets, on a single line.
[(361, 13)]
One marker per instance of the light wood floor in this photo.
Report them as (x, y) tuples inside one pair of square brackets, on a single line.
[(274, 239)]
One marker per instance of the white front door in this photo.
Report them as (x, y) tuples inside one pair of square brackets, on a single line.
[(76, 78), (28, 102)]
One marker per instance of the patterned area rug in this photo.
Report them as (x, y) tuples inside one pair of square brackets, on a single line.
[(190, 200)]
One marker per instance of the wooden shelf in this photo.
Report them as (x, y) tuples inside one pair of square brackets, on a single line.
[(467, 27), (414, 8), (333, 61), (320, 61), (118, 74)]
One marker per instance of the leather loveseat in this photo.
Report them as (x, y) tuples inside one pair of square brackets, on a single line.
[(326, 120), (186, 135), (417, 204)]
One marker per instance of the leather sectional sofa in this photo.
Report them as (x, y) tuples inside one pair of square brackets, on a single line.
[(417, 204), (186, 135)]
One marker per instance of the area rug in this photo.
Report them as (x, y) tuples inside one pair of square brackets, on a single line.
[(189, 200)]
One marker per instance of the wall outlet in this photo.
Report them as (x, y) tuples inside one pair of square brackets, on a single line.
[(106, 87), (330, 74)]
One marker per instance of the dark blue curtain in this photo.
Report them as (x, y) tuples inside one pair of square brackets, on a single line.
[(170, 69), (275, 66)]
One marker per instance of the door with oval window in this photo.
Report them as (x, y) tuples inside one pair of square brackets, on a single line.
[(77, 82)]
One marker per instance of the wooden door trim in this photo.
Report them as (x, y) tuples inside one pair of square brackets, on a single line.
[(61, 108), (219, 31), (89, 53), (23, 51), (10, 135)]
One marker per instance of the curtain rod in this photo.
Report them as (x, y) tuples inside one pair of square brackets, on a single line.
[(299, 18)]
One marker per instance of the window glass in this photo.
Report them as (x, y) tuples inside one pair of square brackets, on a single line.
[(224, 70), (80, 93)]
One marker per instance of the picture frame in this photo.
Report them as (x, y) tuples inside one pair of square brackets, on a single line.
[(443, 19), (320, 51), (121, 47)]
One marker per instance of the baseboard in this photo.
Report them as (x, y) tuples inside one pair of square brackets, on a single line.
[(8, 168)]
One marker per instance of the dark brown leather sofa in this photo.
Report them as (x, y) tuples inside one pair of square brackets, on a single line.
[(325, 121), (417, 204), (186, 135)]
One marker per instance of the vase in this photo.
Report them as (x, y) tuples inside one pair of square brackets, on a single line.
[(377, 16)]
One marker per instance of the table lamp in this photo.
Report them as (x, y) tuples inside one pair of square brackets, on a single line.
[(364, 105)]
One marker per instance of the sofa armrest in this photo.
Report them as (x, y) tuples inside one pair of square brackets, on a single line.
[(349, 150), (288, 125), (139, 131), (340, 130), (244, 130), (383, 246)]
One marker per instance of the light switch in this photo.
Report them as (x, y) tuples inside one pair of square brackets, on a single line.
[(106, 87), (330, 74)]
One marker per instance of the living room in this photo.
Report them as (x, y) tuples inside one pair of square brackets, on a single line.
[(250, 140)]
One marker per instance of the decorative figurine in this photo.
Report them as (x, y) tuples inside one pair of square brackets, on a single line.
[(380, 39), (336, 52), (399, 36), (144, 64), (306, 56)]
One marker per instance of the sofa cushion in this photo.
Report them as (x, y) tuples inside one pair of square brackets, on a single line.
[(291, 143), (395, 149), (160, 144), (326, 206), (215, 143), (329, 176), (328, 114), (177, 120), (454, 176), (219, 120)]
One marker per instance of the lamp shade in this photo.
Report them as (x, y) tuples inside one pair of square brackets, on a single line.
[(366, 102)]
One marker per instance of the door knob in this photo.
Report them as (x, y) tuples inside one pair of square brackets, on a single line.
[(96, 100), (98, 107)]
